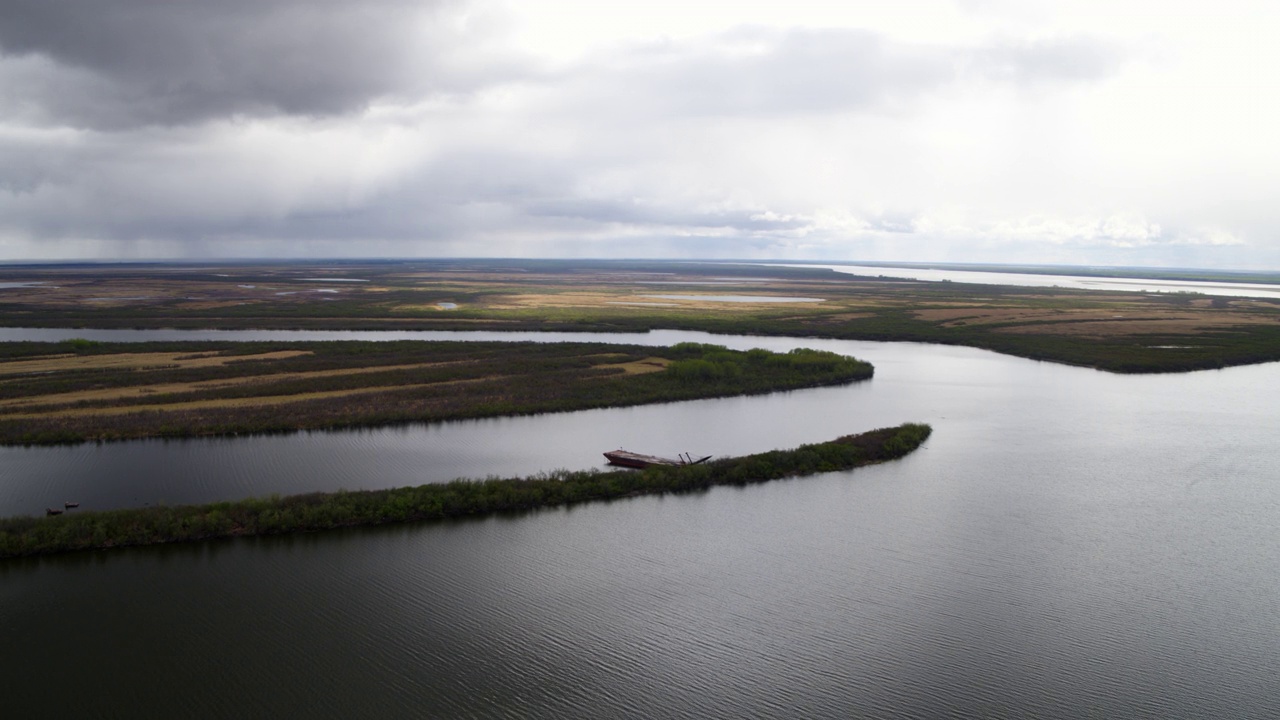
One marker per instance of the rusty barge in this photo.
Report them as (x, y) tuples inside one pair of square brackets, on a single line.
[(636, 460)]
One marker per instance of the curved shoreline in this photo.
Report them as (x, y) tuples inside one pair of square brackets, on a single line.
[(26, 536), (1147, 354)]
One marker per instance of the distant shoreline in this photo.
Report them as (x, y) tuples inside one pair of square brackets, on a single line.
[(1261, 277), (1162, 326)]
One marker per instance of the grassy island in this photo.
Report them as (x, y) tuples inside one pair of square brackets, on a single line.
[(79, 390), (85, 530)]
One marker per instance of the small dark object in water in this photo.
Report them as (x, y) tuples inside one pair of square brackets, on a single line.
[(52, 511), (70, 505)]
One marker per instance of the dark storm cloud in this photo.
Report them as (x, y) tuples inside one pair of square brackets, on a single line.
[(119, 63)]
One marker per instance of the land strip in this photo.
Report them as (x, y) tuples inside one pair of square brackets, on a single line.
[(85, 530), (103, 391)]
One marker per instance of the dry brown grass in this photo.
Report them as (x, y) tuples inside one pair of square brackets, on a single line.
[(641, 367), (133, 361), (141, 391), (215, 304), (433, 307), (218, 403), (557, 300), (1117, 319), (1138, 326), (644, 300), (833, 319), (205, 404), (87, 289), (16, 408), (966, 312)]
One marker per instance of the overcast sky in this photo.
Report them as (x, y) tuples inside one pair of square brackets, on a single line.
[(1081, 131)]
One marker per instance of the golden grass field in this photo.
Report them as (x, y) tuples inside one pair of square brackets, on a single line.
[(132, 361), (142, 391), (244, 402), (137, 366)]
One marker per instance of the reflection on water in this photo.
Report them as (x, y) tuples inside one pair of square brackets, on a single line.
[(1068, 543)]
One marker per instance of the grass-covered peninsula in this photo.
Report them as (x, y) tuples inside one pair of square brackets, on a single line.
[(85, 530), (78, 390)]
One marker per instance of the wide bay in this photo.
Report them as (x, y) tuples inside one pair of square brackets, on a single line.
[(1069, 542)]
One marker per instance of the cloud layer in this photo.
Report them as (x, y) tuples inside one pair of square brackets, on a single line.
[(130, 128)]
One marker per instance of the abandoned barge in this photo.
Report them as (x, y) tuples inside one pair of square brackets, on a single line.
[(636, 460)]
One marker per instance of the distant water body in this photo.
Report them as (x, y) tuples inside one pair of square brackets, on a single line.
[(1079, 282), (1069, 543)]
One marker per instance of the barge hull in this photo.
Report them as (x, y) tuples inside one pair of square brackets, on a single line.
[(636, 460)]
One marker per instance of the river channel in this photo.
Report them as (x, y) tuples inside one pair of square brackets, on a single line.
[(1068, 543)]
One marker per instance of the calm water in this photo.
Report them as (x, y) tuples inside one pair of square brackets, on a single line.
[(1068, 543), (1080, 282)]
